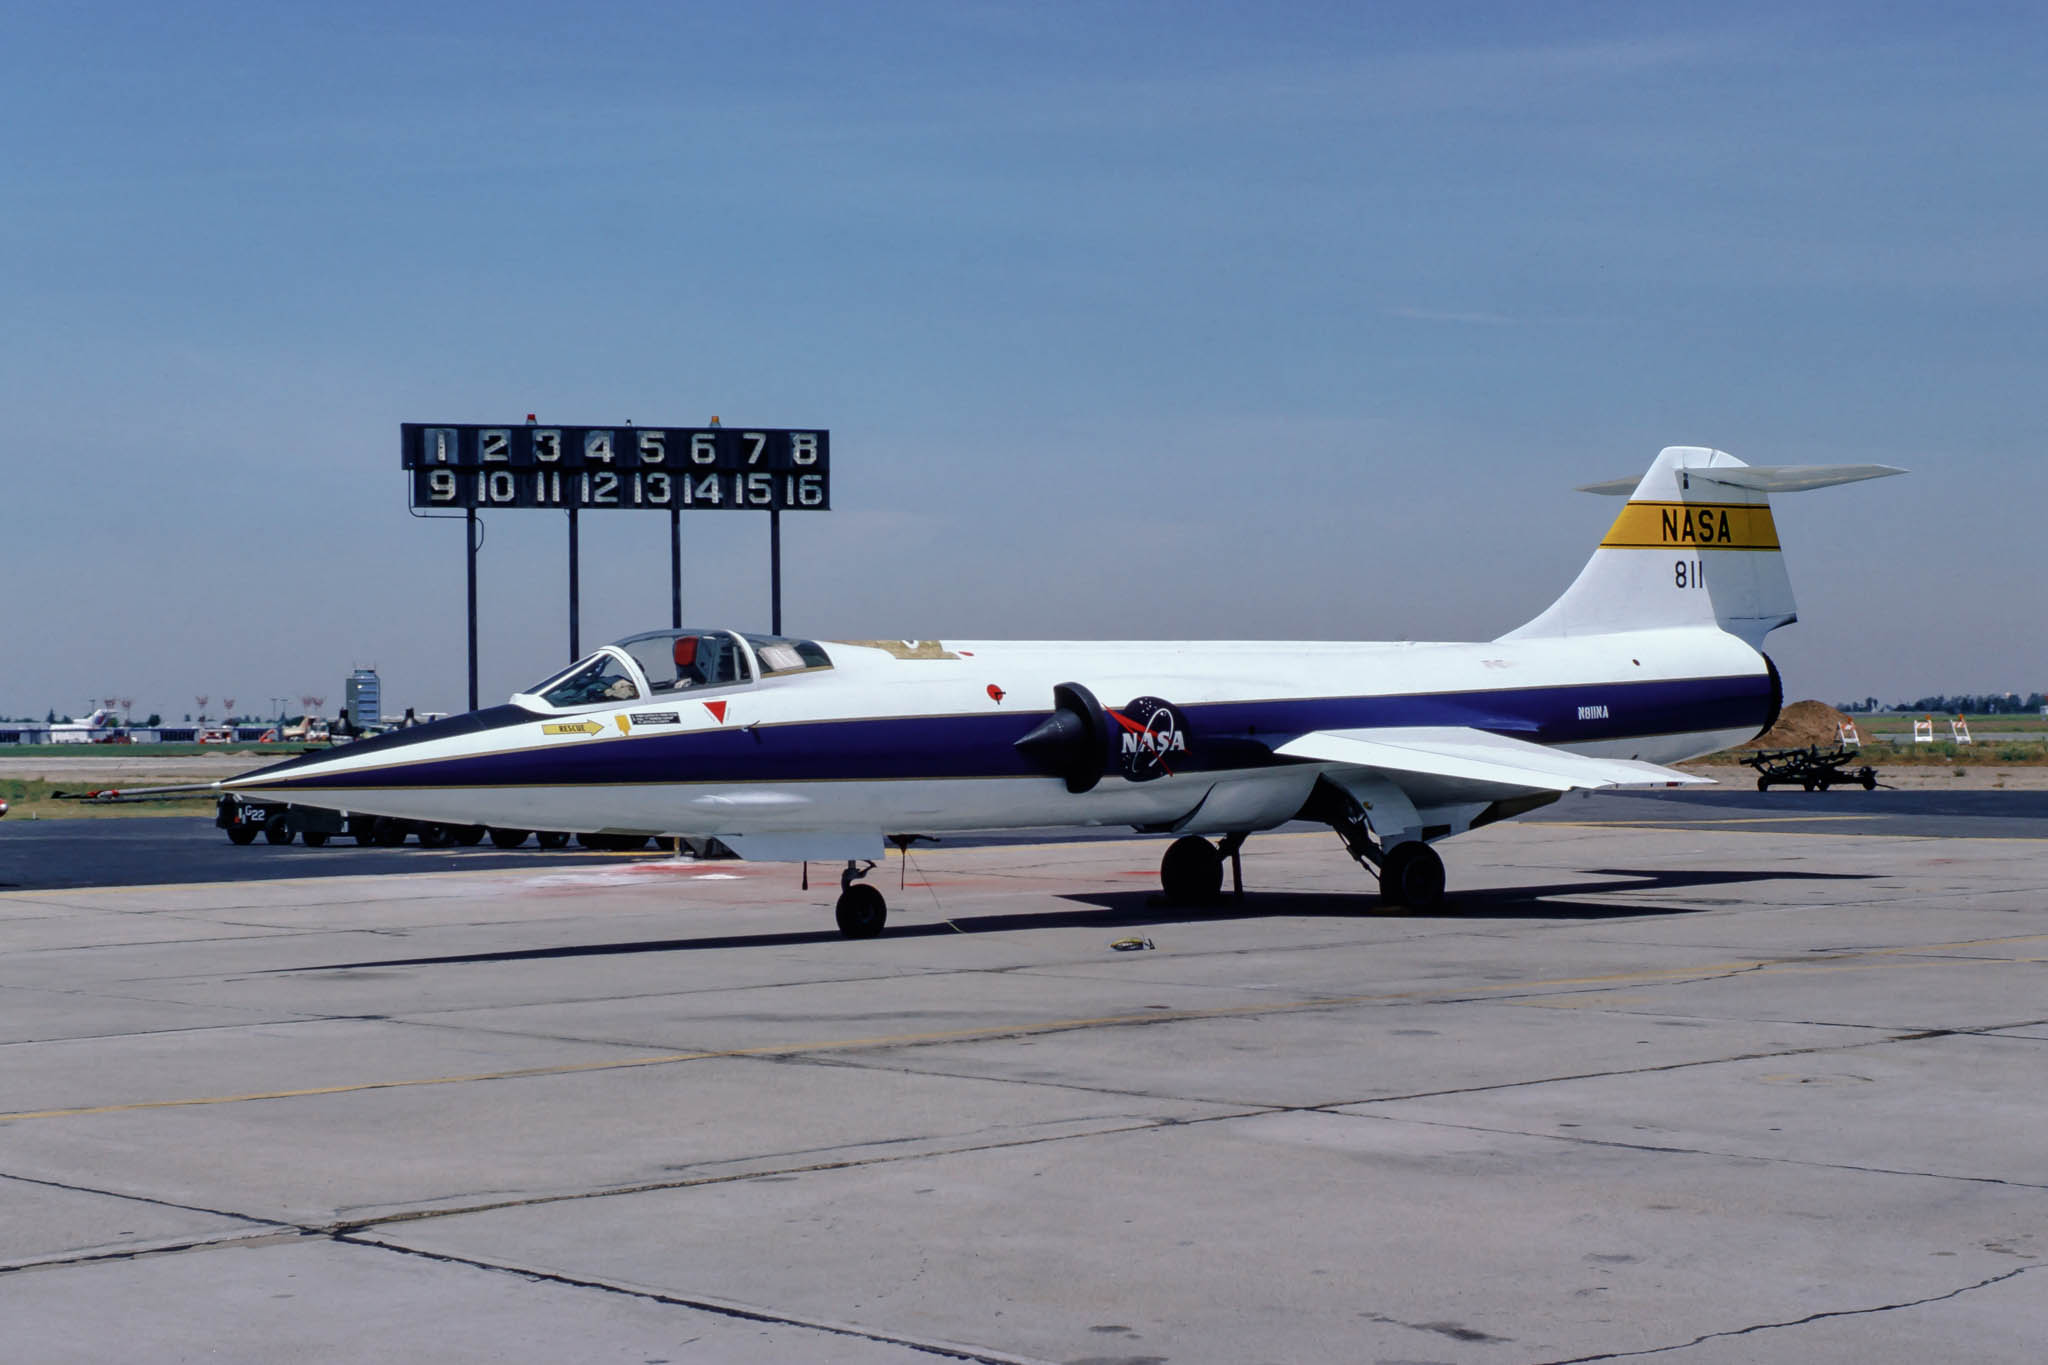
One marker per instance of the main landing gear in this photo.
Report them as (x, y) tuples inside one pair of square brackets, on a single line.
[(861, 911), (1412, 874), (1191, 873)]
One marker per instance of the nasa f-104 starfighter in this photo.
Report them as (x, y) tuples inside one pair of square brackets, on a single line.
[(789, 749)]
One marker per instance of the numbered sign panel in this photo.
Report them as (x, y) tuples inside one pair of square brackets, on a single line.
[(714, 468)]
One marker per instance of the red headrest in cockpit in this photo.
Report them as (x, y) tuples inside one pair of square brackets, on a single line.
[(686, 651)]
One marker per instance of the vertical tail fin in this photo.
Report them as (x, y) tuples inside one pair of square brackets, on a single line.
[(1695, 545)]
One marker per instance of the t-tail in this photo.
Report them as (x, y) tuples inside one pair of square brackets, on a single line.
[(1694, 546)]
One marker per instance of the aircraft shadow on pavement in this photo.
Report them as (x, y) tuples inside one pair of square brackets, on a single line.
[(1534, 901), (1143, 909)]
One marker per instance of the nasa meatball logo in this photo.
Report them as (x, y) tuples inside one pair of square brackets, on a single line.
[(1151, 738)]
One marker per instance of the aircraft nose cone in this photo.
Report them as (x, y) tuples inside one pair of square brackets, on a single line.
[(1055, 741)]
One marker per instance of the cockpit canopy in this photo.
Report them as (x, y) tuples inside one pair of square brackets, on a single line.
[(643, 667)]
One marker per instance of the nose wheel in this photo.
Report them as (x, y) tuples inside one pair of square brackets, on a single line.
[(861, 911)]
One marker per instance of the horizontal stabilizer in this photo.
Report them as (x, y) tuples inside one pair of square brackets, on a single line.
[(1461, 753), (1790, 478), (1793, 478)]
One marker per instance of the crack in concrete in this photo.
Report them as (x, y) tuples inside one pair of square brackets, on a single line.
[(265, 1229), (811, 1168), (71, 1188), (1658, 1148), (234, 1242), (742, 1312), (1606, 1075), (1793, 1322), (272, 1232)]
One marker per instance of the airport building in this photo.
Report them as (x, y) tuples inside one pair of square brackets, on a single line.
[(363, 702)]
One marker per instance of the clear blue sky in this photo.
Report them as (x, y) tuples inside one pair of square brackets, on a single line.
[(1141, 320)]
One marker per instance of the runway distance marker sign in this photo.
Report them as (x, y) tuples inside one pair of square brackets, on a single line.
[(601, 468)]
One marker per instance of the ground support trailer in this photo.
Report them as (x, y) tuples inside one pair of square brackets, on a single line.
[(1811, 767), (244, 819)]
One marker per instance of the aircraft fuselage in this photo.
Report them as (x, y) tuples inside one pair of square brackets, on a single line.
[(924, 737)]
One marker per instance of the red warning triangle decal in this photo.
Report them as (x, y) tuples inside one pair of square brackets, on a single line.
[(717, 710)]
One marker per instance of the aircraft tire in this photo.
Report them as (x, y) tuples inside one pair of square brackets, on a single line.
[(861, 911), (552, 838), (241, 834), (1413, 875), (388, 833), (277, 831), (315, 838), (507, 838), (1191, 873), (469, 836), (436, 836)]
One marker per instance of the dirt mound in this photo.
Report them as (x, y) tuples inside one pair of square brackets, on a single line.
[(1800, 724)]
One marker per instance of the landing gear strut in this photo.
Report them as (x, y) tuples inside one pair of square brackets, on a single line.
[(1410, 872), (861, 911)]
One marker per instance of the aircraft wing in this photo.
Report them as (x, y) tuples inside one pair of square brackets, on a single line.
[(1455, 754)]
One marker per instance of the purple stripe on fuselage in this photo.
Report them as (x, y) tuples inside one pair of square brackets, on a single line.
[(1221, 735)]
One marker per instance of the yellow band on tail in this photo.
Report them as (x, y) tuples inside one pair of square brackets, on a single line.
[(1692, 526)]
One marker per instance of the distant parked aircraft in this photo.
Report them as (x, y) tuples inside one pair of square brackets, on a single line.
[(83, 731)]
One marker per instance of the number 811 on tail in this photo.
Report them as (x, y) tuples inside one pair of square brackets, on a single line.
[(626, 467)]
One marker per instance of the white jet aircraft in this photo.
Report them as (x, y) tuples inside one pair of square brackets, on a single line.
[(788, 750), (82, 731)]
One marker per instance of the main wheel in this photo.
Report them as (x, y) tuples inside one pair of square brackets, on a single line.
[(278, 831), (469, 836), (1412, 875), (241, 834), (861, 911), (1191, 873), (507, 838), (552, 838), (388, 833), (436, 836), (363, 828), (315, 838)]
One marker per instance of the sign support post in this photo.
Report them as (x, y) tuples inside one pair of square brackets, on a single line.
[(675, 568), (575, 591), (469, 544), (774, 571)]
